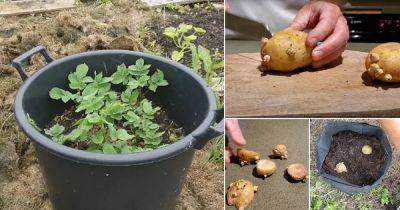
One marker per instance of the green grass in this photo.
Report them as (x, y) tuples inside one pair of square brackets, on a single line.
[(217, 151), (384, 195), (334, 199)]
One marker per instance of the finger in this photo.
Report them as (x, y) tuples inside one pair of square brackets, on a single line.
[(234, 132), (228, 154), (300, 22), (335, 41), (227, 6), (328, 18), (331, 57)]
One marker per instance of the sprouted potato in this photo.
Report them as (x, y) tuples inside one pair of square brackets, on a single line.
[(280, 151), (382, 63), (247, 156), (340, 168), (285, 51), (240, 193)]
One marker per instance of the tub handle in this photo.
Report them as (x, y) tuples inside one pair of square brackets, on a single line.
[(212, 131), (17, 62)]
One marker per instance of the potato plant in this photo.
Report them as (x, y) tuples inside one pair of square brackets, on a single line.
[(182, 36), (111, 122)]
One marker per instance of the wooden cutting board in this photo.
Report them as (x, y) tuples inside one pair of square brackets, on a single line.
[(21, 7), (342, 89)]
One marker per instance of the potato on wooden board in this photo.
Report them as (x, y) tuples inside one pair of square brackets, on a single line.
[(285, 51), (240, 193), (383, 62), (246, 156)]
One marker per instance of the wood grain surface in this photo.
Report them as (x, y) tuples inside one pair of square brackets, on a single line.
[(342, 89), (33, 6)]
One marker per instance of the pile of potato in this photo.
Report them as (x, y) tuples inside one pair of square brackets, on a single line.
[(241, 192)]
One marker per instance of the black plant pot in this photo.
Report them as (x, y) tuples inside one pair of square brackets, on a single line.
[(149, 180), (324, 144)]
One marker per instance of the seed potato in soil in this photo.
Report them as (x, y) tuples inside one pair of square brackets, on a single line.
[(321, 189), (361, 169), (89, 27)]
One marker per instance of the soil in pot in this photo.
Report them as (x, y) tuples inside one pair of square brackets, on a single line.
[(361, 169)]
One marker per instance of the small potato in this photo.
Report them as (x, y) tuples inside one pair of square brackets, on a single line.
[(265, 168), (340, 168), (280, 151), (285, 51), (240, 193), (297, 172), (383, 62), (247, 156), (366, 149)]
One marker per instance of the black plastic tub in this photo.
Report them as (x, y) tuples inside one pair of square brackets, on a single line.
[(324, 144), (149, 180)]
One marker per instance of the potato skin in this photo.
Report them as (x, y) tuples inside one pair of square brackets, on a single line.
[(383, 62), (298, 172), (240, 193), (286, 51), (265, 168), (246, 156)]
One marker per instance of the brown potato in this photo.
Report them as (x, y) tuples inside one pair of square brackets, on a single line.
[(298, 172), (280, 151), (247, 156), (285, 51), (240, 193), (265, 168), (383, 62)]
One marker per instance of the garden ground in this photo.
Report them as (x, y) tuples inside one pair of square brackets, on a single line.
[(94, 26), (388, 192)]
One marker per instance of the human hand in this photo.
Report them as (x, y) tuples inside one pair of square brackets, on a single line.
[(328, 25), (392, 130), (234, 133)]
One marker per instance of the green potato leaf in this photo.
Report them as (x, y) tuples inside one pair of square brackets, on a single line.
[(109, 149), (122, 134)]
